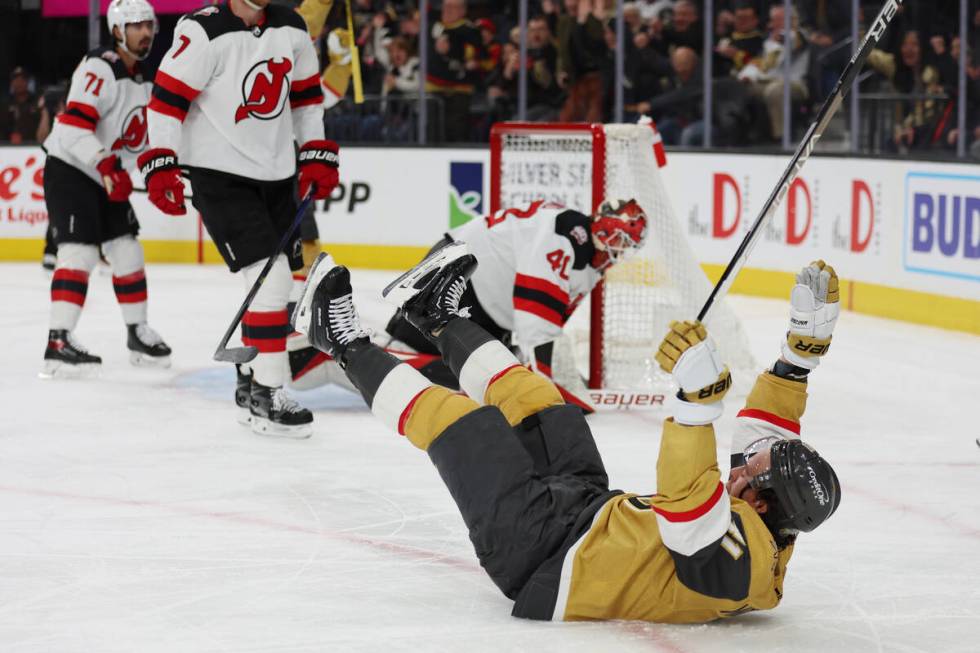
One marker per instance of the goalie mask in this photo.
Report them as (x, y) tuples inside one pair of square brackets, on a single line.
[(619, 228), (799, 486), (121, 13)]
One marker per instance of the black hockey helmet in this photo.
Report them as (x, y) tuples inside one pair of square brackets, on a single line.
[(801, 488)]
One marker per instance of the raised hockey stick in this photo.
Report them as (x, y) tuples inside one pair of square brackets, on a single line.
[(803, 152), (241, 355)]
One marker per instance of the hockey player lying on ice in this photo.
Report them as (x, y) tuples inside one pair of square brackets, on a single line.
[(528, 480), (537, 263)]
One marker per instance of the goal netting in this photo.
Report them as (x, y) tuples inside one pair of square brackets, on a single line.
[(579, 165)]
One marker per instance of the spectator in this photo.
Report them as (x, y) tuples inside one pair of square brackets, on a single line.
[(544, 97), (491, 49), (454, 47), (680, 108), (51, 103), (918, 118), (401, 68), (745, 42), (581, 52), (684, 30), (22, 111), (766, 73), (826, 25), (645, 71)]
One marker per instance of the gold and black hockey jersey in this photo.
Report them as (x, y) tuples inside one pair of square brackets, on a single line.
[(688, 553)]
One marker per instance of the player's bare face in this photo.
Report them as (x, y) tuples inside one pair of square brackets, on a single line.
[(139, 37)]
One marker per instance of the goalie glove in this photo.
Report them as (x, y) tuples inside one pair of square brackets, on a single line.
[(814, 308), (692, 358)]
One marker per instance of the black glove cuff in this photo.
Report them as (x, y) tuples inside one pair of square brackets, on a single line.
[(790, 372)]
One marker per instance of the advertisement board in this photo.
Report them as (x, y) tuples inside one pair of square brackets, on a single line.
[(903, 234)]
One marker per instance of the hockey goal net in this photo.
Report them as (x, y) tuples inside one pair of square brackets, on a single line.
[(578, 165)]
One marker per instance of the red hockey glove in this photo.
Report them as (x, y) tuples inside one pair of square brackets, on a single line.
[(319, 162), (163, 184), (118, 184)]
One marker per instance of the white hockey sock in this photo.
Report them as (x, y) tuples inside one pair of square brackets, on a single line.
[(69, 284), (266, 323), (125, 256)]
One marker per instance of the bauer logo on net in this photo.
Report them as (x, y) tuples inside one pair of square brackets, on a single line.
[(942, 225)]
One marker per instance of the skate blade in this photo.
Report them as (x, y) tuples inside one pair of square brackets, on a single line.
[(264, 426), (244, 417), (61, 370), (409, 284), (139, 359), (300, 319)]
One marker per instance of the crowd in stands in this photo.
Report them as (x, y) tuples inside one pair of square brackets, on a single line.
[(474, 64)]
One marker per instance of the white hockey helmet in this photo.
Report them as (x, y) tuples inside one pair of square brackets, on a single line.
[(124, 12)]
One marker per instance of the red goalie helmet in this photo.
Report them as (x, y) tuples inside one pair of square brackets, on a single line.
[(620, 228)]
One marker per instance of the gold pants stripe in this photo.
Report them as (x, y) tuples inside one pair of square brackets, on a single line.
[(520, 393), (432, 412)]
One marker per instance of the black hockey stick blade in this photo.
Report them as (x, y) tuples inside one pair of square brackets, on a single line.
[(239, 355), (236, 355), (803, 152)]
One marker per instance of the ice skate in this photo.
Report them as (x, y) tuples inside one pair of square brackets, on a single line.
[(243, 394), (326, 311), (435, 299), (65, 357), (274, 413), (417, 279), (146, 347)]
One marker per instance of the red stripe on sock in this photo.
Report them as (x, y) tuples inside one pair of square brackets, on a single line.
[(66, 274), (270, 318), (266, 345), (496, 377), (69, 296)]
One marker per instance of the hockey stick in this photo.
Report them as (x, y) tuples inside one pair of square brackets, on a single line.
[(803, 152), (241, 355)]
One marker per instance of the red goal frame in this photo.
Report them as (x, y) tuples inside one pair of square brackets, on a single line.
[(598, 134)]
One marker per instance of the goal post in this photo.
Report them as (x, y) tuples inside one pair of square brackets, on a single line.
[(579, 165)]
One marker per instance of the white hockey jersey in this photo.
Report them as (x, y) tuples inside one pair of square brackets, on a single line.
[(105, 113), (533, 268), (232, 98)]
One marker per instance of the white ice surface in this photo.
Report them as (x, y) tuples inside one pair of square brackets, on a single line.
[(137, 515)]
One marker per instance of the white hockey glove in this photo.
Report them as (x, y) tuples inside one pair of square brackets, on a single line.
[(692, 357), (814, 308)]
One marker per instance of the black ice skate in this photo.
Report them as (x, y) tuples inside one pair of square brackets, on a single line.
[(433, 299), (243, 394), (399, 291), (146, 347), (65, 357), (325, 312), (274, 413)]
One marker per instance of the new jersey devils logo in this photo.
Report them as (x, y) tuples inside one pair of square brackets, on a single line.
[(133, 136), (265, 90)]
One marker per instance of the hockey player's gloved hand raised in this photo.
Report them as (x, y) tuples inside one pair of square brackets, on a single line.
[(692, 357), (815, 306), (163, 183), (319, 162), (118, 184)]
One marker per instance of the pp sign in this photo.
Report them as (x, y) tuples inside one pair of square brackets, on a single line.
[(942, 225)]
